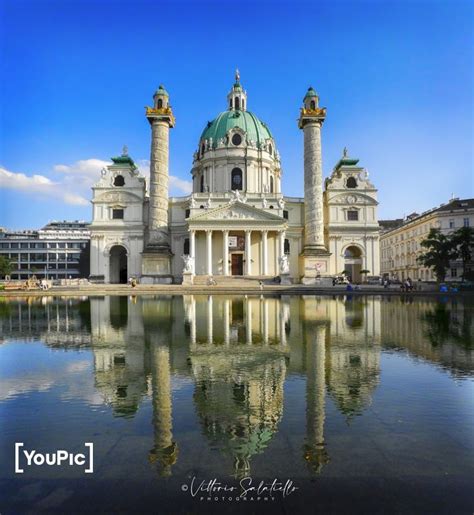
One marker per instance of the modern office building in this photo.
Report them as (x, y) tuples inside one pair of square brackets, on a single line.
[(53, 252)]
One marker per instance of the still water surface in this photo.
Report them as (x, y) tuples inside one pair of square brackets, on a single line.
[(364, 404)]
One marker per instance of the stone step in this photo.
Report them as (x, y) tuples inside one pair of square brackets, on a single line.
[(233, 280)]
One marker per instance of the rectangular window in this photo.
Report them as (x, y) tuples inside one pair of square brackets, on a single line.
[(5, 245), (466, 222), (187, 213), (285, 215), (353, 215), (24, 245), (451, 224), (117, 214), (454, 272), (186, 246)]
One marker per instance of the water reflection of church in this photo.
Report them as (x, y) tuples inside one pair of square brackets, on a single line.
[(238, 351)]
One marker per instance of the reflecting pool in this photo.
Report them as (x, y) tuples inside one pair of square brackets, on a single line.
[(331, 404)]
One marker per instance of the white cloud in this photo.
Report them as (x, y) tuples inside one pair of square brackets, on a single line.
[(40, 185), (74, 181), (178, 184)]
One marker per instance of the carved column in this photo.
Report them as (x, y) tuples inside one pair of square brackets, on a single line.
[(315, 257), (156, 258), (159, 179), (313, 186)]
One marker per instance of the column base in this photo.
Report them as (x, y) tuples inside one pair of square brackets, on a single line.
[(188, 278), (314, 263), (156, 267), (285, 279)]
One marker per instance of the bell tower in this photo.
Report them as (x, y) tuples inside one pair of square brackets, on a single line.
[(315, 257), (156, 262)]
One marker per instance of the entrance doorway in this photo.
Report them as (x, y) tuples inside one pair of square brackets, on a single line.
[(118, 265), (353, 263), (237, 261)]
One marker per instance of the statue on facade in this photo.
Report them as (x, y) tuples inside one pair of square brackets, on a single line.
[(188, 263), (208, 203), (345, 152), (210, 143), (264, 203), (192, 202), (220, 143), (281, 203), (284, 264)]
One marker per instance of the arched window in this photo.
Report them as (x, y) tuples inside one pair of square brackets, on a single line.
[(286, 247), (186, 246), (230, 103), (313, 105), (237, 102), (236, 179), (160, 103), (201, 185), (351, 182), (119, 181), (272, 184), (243, 104), (203, 148), (270, 149)]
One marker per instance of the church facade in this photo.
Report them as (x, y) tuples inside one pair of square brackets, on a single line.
[(236, 222)]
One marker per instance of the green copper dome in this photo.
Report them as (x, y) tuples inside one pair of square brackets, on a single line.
[(255, 129)]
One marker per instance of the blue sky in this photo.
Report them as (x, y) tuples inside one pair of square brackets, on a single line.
[(396, 78)]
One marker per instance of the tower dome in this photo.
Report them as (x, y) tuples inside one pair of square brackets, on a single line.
[(251, 130), (236, 151)]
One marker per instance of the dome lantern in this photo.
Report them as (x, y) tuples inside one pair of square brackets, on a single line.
[(161, 98), (311, 99), (237, 97)]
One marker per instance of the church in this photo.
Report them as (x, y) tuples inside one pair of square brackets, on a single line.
[(237, 222)]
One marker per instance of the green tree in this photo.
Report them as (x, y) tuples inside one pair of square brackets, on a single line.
[(463, 243), (5, 266), (440, 250)]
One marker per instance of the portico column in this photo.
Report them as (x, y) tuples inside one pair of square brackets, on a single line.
[(209, 251), (248, 252), (192, 247), (281, 241), (225, 252), (264, 267), (248, 320), (210, 319)]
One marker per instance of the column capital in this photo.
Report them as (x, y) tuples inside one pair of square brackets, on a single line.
[(209, 231), (225, 231)]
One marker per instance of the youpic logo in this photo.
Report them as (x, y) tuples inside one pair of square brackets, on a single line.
[(59, 458)]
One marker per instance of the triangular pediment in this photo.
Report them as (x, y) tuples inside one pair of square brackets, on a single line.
[(237, 211)]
